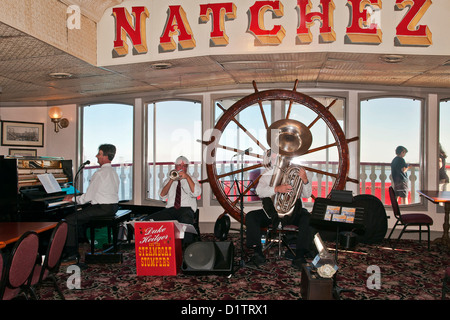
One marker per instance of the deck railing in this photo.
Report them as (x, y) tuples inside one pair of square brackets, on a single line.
[(375, 179)]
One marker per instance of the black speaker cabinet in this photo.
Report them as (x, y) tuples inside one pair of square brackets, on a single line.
[(208, 257)]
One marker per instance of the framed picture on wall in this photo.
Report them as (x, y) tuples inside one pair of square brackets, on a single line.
[(26, 134), (23, 152)]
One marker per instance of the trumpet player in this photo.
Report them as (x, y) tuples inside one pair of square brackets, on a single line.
[(257, 219), (180, 192)]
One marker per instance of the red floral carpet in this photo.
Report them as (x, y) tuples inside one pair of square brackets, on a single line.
[(409, 273)]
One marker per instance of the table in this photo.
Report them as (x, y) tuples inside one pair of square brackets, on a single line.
[(10, 232), (440, 197)]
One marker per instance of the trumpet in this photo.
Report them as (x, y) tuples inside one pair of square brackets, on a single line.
[(174, 174)]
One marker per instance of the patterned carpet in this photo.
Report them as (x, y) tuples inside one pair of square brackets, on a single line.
[(411, 272)]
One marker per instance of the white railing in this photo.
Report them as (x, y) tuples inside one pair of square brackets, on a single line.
[(125, 173), (375, 179)]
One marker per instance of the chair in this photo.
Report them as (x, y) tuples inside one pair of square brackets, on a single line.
[(113, 224), (446, 283), (410, 219), (52, 260), (20, 266)]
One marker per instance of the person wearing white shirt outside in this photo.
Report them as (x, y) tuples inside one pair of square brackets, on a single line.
[(189, 191), (101, 198)]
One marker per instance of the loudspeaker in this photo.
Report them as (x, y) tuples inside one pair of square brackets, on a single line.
[(208, 257)]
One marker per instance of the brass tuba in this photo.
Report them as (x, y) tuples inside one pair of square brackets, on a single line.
[(288, 139)]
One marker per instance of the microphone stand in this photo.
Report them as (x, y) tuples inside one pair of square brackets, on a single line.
[(75, 183), (242, 263)]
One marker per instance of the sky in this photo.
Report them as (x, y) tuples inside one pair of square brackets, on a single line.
[(108, 123)]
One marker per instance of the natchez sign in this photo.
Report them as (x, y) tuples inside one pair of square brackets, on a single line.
[(142, 30)]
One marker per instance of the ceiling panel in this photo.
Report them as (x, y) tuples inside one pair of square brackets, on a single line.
[(26, 62)]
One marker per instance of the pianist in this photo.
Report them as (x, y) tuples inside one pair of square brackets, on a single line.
[(102, 197)]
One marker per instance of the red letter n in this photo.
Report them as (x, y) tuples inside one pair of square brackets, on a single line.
[(124, 27)]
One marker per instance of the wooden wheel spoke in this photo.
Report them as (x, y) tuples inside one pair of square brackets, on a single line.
[(263, 114), (330, 174), (289, 109), (261, 107), (326, 173), (352, 180), (244, 129), (319, 117), (256, 166), (239, 171), (238, 150), (291, 101), (329, 145)]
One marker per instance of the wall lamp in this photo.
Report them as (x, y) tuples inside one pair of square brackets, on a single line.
[(55, 114)]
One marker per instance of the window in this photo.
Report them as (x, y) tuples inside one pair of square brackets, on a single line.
[(235, 138), (444, 141), (109, 123), (385, 124), (325, 160), (174, 129)]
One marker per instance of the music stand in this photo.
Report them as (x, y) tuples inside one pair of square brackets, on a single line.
[(75, 193), (337, 214), (240, 188)]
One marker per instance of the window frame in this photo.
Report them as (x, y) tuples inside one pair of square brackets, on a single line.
[(81, 135), (423, 176), (145, 139)]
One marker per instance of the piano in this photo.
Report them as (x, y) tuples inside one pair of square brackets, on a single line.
[(22, 195)]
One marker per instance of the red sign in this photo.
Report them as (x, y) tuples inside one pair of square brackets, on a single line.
[(158, 248)]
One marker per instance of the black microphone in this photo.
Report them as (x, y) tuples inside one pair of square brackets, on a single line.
[(85, 164), (244, 152)]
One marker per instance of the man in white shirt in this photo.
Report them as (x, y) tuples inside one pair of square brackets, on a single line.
[(184, 209), (257, 219), (102, 195)]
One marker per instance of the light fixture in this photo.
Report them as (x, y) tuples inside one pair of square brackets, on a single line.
[(392, 58), (161, 65), (55, 114), (60, 75)]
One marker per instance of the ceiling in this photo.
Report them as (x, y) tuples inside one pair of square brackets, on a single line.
[(26, 62)]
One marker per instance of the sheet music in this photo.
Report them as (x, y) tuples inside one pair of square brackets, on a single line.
[(49, 182)]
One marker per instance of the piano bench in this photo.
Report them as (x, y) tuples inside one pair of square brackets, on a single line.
[(113, 224)]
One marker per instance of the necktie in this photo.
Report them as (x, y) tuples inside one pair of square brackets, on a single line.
[(177, 203)]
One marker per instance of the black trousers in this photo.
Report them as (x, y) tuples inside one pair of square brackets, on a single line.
[(257, 219), (78, 220), (182, 215)]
